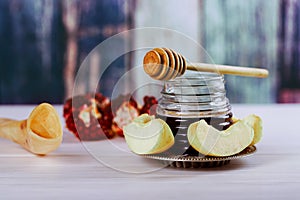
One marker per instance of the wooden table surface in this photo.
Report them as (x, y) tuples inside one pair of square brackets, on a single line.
[(108, 170)]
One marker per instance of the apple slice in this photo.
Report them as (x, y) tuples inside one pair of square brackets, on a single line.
[(210, 141), (147, 135), (255, 122)]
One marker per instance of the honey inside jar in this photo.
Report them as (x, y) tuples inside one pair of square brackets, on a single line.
[(190, 98)]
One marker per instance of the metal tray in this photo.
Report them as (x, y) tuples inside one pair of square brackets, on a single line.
[(187, 161)]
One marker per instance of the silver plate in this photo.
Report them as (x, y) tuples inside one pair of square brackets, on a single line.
[(187, 161)]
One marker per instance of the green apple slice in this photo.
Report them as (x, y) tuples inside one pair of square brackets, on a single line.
[(210, 141), (147, 135)]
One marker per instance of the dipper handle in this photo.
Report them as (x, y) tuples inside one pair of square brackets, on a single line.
[(227, 69)]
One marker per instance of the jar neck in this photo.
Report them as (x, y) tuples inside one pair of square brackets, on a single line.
[(196, 94)]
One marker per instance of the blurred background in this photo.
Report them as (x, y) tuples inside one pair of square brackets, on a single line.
[(44, 42)]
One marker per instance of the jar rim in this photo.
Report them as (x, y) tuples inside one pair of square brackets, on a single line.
[(196, 75)]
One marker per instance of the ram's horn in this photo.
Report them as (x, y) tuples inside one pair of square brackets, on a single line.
[(40, 134)]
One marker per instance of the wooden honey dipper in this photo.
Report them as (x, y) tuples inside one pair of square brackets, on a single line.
[(166, 64)]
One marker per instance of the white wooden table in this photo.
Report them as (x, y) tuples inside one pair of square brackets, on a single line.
[(107, 170)]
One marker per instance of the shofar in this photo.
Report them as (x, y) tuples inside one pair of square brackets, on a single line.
[(40, 134)]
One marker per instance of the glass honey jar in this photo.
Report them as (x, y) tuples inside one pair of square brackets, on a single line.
[(190, 98)]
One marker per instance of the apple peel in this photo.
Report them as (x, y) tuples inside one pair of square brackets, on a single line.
[(148, 135)]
